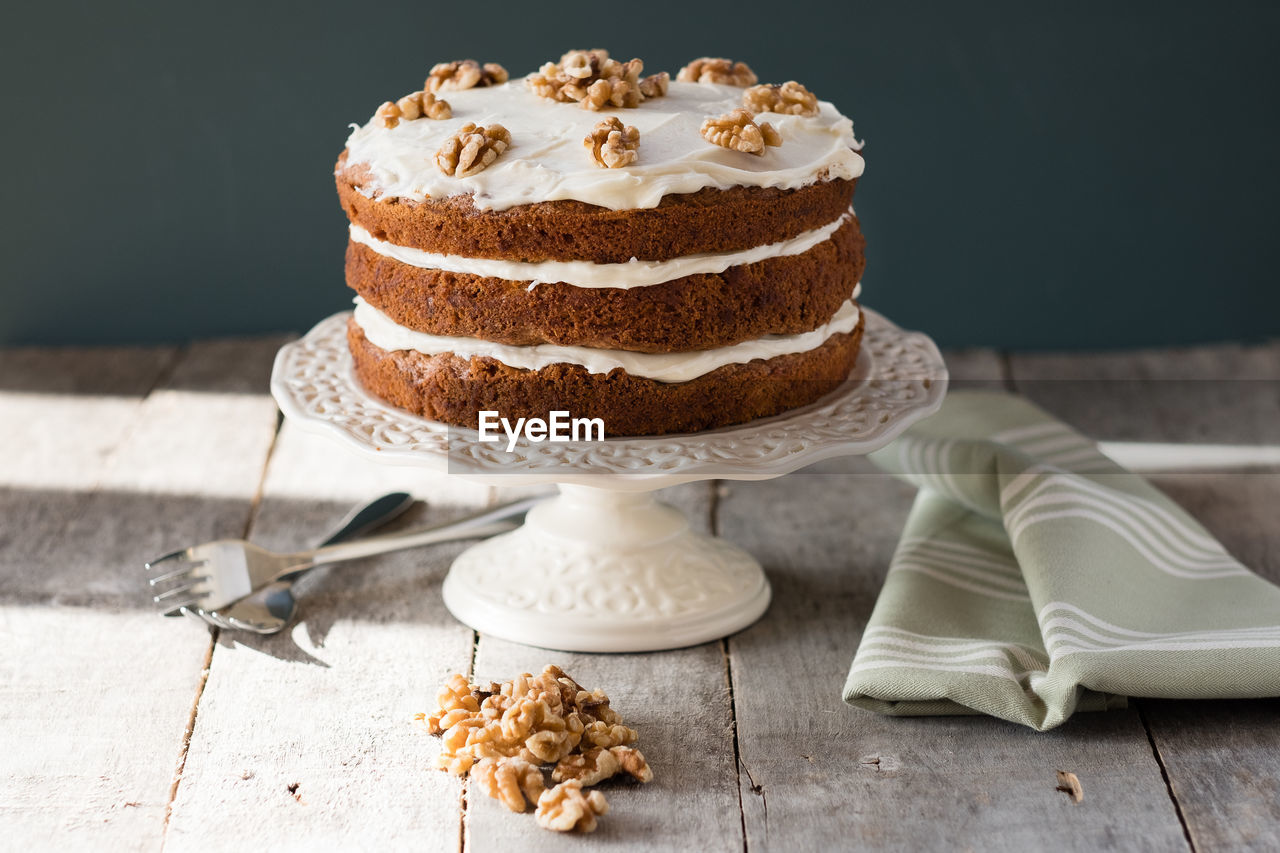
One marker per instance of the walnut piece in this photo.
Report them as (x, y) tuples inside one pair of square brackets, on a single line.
[(513, 781), (468, 152), (602, 734), (464, 74), (583, 63), (612, 145), (788, 99), (631, 761), (655, 85), (461, 733), (456, 693), (567, 686), (388, 115), (412, 106), (497, 748), (590, 767), (595, 706), (593, 80), (565, 808), (494, 706), (716, 70), (424, 105), (737, 131), (524, 717), (454, 765), (550, 746), (441, 720)]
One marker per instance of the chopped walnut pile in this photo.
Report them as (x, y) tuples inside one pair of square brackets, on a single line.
[(788, 99), (715, 70), (472, 149), (612, 145), (565, 807), (592, 79), (737, 131), (502, 735), (464, 74)]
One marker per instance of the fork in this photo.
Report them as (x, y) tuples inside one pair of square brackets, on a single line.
[(215, 574), (270, 608)]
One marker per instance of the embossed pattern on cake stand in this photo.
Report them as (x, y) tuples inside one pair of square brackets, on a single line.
[(604, 566)]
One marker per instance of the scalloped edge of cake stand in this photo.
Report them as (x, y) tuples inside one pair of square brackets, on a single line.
[(900, 378)]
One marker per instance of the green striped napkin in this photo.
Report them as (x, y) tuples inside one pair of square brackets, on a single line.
[(1035, 578)]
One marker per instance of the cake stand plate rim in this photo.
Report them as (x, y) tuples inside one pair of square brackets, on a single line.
[(314, 384)]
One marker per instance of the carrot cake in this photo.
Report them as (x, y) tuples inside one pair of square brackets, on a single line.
[(667, 255)]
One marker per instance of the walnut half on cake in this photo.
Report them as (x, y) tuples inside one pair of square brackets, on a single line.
[(646, 262)]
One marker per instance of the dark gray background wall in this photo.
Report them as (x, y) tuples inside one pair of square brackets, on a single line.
[(1039, 175)]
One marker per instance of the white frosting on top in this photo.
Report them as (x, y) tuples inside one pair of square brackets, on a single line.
[(383, 332), (547, 160), (633, 273)]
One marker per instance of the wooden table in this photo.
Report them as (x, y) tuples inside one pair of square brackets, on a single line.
[(121, 730)]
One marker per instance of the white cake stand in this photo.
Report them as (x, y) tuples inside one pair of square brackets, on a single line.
[(604, 567)]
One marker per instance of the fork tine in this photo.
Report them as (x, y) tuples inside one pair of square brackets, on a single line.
[(188, 571), (175, 555), (213, 618), (167, 597), (192, 610), (181, 608), (184, 609), (176, 607)]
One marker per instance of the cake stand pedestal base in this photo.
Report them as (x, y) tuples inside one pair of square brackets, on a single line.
[(598, 570)]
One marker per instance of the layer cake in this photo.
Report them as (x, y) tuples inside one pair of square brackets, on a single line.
[(666, 255)]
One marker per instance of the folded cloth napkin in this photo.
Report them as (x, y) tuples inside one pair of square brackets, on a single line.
[(1036, 577)]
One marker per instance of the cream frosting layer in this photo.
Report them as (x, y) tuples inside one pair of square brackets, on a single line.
[(633, 273), (547, 161), (385, 333)]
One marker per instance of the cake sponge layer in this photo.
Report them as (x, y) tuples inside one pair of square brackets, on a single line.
[(777, 296), (454, 390), (710, 220)]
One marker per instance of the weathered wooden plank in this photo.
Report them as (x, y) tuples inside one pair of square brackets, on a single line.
[(95, 698), (679, 703), (93, 705), (1222, 394), (1223, 761), (113, 371), (176, 468), (65, 411), (1222, 758), (229, 366), (976, 368), (817, 774), (305, 740)]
